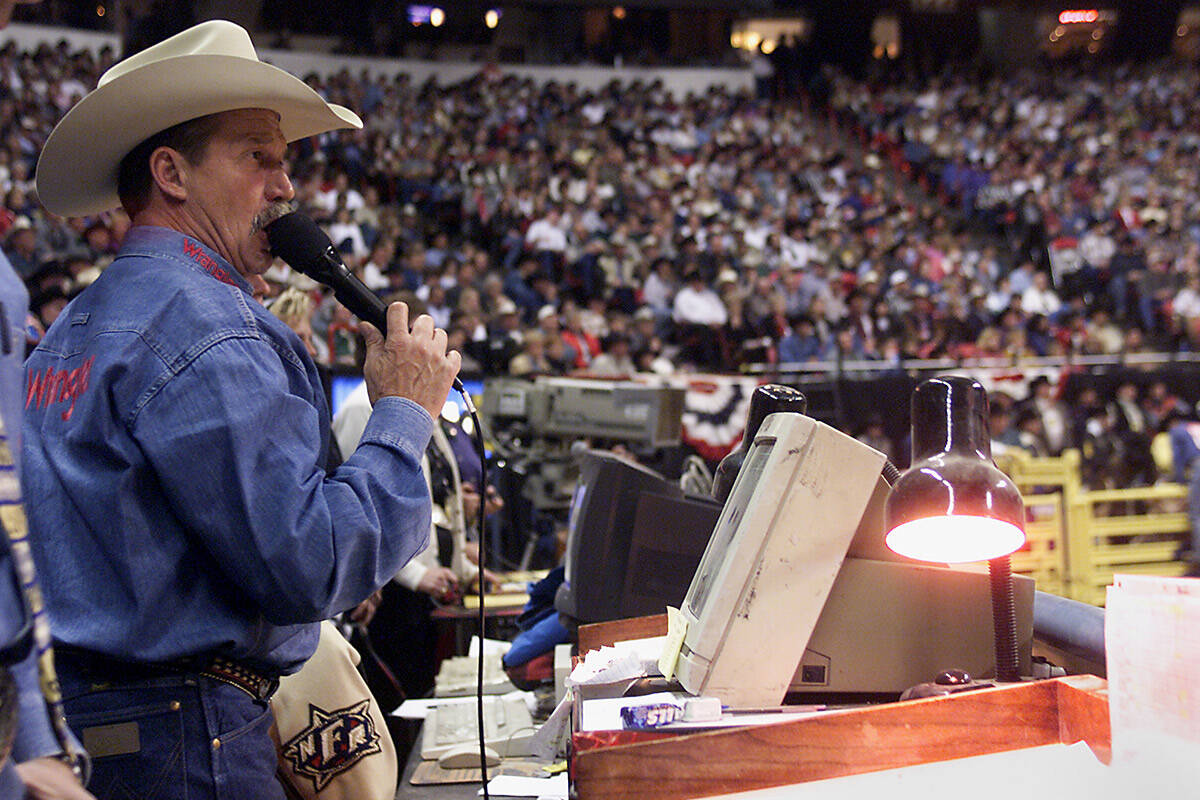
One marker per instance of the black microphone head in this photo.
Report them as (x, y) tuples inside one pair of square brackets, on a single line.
[(300, 242)]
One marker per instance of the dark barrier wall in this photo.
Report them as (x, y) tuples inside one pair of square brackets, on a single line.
[(848, 403)]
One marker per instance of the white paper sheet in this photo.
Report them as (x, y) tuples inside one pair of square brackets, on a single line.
[(1152, 641), (552, 788)]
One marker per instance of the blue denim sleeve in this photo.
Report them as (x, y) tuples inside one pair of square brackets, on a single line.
[(35, 738), (235, 442)]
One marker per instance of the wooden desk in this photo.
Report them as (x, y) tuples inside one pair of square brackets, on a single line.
[(837, 743), (459, 623), (454, 791)]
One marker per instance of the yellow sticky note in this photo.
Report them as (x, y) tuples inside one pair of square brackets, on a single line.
[(676, 630)]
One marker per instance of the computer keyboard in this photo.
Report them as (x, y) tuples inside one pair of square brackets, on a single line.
[(456, 676), (507, 724)]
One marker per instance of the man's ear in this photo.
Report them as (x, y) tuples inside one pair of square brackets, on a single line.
[(168, 169)]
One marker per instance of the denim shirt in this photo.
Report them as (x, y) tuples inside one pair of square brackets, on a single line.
[(175, 433), (34, 737)]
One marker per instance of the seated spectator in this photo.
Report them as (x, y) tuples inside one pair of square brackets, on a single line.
[(533, 359), (582, 342), (21, 247), (699, 314), (47, 304), (1040, 298), (872, 434), (1030, 435), (504, 338), (615, 358), (1132, 430)]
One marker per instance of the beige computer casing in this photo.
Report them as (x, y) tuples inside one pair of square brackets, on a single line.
[(889, 625), (773, 558)]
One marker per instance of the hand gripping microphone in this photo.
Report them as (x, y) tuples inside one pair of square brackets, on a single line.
[(300, 242)]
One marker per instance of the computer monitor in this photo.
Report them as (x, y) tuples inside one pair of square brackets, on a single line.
[(669, 537), (772, 559), (633, 541)]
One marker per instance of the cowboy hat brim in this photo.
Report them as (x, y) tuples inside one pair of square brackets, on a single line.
[(77, 170)]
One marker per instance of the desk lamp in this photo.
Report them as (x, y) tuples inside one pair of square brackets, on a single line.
[(954, 505)]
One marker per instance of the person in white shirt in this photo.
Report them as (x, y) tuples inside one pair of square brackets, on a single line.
[(1040, 298), (547, 240), (697, 304), (344, 229), (327, 199), (699, 315), (401, 630)]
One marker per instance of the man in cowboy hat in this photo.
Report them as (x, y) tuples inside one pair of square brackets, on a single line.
[(176, 433)]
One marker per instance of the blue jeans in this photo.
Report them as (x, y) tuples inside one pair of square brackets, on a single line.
[(171, 738)]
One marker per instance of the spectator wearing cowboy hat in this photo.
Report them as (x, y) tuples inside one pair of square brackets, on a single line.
[(176, 432), (21, 247)]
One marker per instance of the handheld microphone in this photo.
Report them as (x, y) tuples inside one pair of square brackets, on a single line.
[(300, 242)]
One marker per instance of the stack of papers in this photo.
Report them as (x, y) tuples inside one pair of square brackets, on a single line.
[(605, 672), (624, 661)]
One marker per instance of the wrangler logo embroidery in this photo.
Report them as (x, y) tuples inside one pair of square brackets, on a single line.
[(196, 253), (58, 386), (333, 742)]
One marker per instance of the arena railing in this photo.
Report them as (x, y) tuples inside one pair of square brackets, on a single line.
[(917, 366)]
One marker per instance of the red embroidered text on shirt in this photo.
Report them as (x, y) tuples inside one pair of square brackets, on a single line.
[(58, 386), (206, 262)]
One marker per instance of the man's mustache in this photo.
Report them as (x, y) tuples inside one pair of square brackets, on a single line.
[(269, 214)]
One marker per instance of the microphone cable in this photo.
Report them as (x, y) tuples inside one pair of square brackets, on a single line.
[(299, 241), (477, 436)]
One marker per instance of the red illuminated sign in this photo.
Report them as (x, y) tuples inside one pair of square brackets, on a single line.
[(1076, 16)]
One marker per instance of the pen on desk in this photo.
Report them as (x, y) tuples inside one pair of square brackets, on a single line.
[(771, 709)]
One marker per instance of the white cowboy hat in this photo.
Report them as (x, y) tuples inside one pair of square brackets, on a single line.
[(206, 69)]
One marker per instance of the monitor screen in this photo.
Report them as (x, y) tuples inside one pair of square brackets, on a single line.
[(727, 525), (663, 557), (343, 384)]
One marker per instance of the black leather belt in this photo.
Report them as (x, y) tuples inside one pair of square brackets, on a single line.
[(115, 670)]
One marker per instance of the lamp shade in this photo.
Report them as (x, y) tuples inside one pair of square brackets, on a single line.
[(953, 504)]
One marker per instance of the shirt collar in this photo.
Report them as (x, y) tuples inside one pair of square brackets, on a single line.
[(150, 240)]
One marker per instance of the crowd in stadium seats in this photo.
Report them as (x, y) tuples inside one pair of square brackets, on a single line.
[(1090, 176), (553, 230)]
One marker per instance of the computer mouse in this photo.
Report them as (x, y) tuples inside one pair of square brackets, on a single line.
[(466, 756)]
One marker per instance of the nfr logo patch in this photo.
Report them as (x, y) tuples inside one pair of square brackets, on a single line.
[(333, 742)]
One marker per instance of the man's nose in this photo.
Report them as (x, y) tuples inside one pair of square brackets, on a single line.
[(280, 188)]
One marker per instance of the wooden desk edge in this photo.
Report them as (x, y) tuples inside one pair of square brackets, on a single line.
[(1062, 710), (605, 634)]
